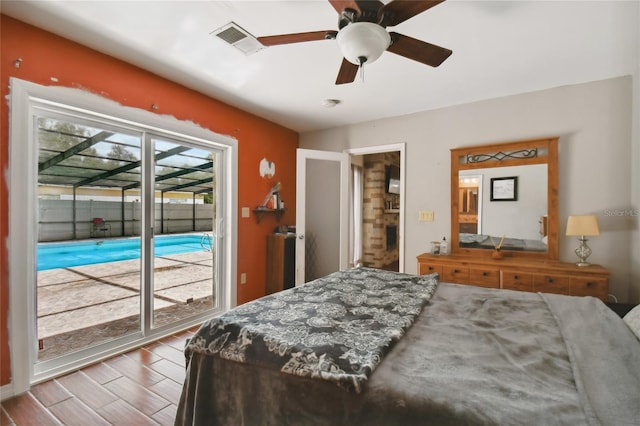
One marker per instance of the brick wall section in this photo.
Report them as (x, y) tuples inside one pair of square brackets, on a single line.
[(375, 216)]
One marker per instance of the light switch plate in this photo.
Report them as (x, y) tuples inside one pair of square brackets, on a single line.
[(425, 215), (243, 278), (245, 212)]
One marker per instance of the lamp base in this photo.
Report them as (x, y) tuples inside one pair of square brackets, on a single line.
[(583, 251)]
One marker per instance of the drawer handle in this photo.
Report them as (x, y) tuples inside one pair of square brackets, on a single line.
[(455, 271), (550, 280), (431, 268), (484, 274), (589, 284), (515, 277)]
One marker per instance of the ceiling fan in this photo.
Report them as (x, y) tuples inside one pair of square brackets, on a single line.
[(362, 36)]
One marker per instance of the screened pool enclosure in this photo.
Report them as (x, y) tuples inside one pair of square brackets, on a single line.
[(90, 179)]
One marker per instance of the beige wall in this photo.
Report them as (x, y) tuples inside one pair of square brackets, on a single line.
[(594, 123), (634, 291)]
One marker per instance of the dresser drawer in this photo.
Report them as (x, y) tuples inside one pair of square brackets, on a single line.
[(514, 280), (429, 268), (455, 274), (596, 287), (531, 275), (551, 284), (485, 277)]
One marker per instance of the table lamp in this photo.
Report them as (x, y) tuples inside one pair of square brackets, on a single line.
[(583, 226)]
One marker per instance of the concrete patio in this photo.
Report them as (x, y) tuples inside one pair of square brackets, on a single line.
[(86, 305)]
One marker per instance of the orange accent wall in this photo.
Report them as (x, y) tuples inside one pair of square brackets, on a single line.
[(46, 56)]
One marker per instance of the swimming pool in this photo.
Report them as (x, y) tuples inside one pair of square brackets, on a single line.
[(78, 253)]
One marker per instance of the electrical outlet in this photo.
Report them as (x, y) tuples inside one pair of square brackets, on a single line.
[(243, 278), (425, 215)]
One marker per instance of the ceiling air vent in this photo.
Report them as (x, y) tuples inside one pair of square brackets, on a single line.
[(233, 34)]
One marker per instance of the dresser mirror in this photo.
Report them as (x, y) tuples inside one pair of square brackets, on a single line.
[(505, 195)]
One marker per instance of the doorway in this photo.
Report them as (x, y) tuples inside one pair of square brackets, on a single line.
[(94, 190), (382, 205), (125, 232), (346, 212), (470, 202)]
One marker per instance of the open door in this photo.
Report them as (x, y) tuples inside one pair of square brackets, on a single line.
[(322, 208)]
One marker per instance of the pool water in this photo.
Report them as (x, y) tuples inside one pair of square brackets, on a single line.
[(65, 255)]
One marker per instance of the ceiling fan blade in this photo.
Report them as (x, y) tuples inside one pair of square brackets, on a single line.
[(297, 37), (418, 50), (347, 73), (400, 10)]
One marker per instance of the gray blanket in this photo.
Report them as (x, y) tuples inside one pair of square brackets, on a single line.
[(474, 356), (336, 328)]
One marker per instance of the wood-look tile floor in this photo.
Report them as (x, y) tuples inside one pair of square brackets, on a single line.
[(141, 387)]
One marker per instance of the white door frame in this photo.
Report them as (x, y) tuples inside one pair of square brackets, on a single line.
[(22, 238), (389, 148)]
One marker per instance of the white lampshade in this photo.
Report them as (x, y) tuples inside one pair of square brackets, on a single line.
[(362, 42), (586, 225)]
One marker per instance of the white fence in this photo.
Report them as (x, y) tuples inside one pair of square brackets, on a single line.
[(57, 221)]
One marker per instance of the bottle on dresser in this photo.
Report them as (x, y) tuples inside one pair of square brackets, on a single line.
[(444, 246)]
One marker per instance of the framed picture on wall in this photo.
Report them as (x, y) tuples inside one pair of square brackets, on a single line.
[(504, 189)]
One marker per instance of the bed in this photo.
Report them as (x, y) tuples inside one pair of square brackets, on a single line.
[(481, 241), (435, 353)]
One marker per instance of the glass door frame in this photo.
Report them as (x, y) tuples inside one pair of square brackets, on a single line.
[(154, 225), (25, 96)]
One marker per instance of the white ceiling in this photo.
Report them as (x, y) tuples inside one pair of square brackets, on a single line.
[(499, 48)]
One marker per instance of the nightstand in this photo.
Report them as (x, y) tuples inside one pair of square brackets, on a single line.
[(620, 308)]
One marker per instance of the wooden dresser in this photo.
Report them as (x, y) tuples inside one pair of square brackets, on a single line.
[(536, 275)]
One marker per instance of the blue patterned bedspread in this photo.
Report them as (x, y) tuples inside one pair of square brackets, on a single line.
[(337, 328)]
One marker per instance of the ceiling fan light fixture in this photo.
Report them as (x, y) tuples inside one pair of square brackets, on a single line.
[(362, 42)]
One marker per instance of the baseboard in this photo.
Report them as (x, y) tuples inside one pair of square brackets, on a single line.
[(6, 391)]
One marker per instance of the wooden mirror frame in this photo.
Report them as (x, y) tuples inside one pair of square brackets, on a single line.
[(518, 153)]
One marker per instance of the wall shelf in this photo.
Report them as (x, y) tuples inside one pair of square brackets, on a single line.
[(259, 212), (392, 211)]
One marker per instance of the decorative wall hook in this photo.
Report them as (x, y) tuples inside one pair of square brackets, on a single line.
[(17, 62), (154, 107)]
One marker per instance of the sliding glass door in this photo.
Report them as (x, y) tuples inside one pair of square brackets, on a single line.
[(184, 225), (88, 254), (122, 228), (105, 241)]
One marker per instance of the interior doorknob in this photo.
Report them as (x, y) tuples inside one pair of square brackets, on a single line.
[(301, 236)]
